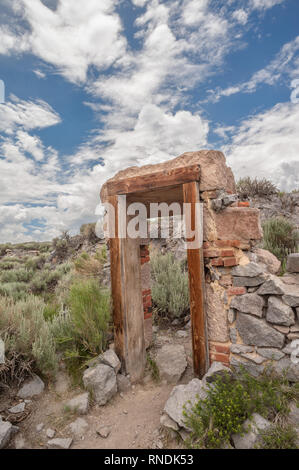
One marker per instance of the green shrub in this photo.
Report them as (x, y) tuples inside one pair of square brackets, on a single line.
[(231, 400), (251, 187), (46, 280), (88, 232), (17, 275), (279, 436), (27, 337), (15, 290), (35, 263), (170, 290), (89, 266), (280, 237), (5, 265), (81, 330), (4, 247), (90, 312), (288, 201)]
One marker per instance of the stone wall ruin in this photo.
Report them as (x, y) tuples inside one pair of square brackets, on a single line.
[(252, 314)]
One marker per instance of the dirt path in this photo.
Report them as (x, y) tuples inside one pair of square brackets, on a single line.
[(133, 418)]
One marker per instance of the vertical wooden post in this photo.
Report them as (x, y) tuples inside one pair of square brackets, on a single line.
[(196, 288), (127, 300)]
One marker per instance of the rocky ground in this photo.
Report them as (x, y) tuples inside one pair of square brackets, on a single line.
[(62, 416)]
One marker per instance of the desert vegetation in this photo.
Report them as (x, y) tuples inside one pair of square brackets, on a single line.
[(233, 399), (281, 238), (53, 306), (170, 289)]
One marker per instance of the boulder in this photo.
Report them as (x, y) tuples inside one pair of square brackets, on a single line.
[(249, 303), (268, 259), (110, 359), (182, 395), (171, 362), (5, 433), (279, 313), (272, 286), (251, 435), (293, 263), (101, 382), (254, 331), (32, 387), (216, 370), (60, 443), (79, 404), (247, 270)]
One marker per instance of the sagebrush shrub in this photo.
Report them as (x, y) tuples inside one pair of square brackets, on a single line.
[(170, 289), (280, 237), (17, 275), (251, 187), (26, 333)]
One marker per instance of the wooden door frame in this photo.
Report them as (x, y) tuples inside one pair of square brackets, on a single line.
[(126, 274)]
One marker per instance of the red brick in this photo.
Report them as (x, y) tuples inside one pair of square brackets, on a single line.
[(230, 261), (217, 262), (236, 291), (226, 243), (147, 315), (218, 357), (146, 292), (220, 348), (243, 204), (211, 253), (145, 260), (227, 253), (147, 303)]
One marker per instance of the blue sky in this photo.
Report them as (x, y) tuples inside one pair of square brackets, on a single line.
[(91, 90)]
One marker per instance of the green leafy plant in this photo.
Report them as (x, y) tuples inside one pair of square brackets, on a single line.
[(81, 331), (170, 289), (231, 400)]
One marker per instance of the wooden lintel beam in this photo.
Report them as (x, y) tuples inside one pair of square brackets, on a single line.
[(152, 181)]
